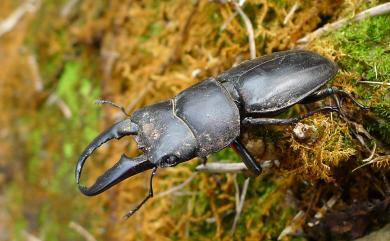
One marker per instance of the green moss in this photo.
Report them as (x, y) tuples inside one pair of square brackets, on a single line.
[(53, 143), (366, 47), (381, 127), (264, 209), (226, 155)]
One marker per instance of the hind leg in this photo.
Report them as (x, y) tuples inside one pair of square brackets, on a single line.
[(331, 91)]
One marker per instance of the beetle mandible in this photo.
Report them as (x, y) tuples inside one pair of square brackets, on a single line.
[(207, 117)]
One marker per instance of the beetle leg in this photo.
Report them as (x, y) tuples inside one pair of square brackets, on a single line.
[(150, 195), (275, 121), (203, 160), (247, 158), (323, 93)]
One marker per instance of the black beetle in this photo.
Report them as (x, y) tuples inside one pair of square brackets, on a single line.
[(207, 117)]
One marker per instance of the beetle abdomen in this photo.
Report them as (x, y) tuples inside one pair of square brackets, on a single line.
[(272, 83), (210, 113)]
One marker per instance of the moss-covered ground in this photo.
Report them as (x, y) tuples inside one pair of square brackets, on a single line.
[(55, 64)]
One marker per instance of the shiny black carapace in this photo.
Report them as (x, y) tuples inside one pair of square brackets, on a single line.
[(207, 117)]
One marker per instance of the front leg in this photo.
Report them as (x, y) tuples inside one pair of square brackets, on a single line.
[(247, 158), (150, 195)]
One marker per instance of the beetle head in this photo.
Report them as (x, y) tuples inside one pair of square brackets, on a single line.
[(163, 137)]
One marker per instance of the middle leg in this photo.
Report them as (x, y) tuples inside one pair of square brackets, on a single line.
[(275, 121), (247, 158)]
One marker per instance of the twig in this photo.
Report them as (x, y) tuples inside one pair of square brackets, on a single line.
[(371, 155), (36, 76), (82, 231), (249, 29), (30, 237), (371, 12), (218, 167), (54, 99), (228, 21), (68, 7), (240, 205), (241, 2), (320, 214), (293, 227), (178, 187), (329, 204), (299, 217), (374, 83), (9, 23), (367, 160), (376, 159), (237, 188), (291, 13), (215, 167), (359, 129)]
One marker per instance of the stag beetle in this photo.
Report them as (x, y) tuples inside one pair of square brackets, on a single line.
[(207, 117)]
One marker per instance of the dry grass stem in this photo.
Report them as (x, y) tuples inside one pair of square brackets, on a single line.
[(328, 205), (380, 161), (249, 29), (30, 237), (374, 83), (294, 226), (215, 167), (177, 188), (375, 11), (54, 99), (9, 23), (82, 231), (228, 21), (218, 167), (240, 205), (291, 13), (68, 7), (371, 155), (36, 76)]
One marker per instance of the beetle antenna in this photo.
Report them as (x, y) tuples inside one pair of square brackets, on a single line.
[(150, 195), (112, 104)]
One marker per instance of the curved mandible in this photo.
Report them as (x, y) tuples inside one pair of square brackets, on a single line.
[(123, 169)]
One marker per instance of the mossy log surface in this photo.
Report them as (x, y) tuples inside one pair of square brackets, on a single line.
[(63, 55)]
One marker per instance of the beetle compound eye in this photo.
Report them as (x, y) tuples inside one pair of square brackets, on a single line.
[(169, 161)]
